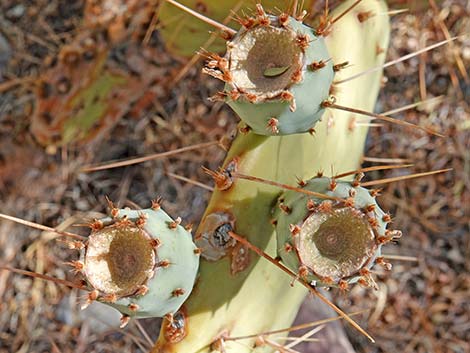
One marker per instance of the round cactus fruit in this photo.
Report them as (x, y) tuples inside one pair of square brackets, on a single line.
[(277, 74), (143, 263), (332, 240)]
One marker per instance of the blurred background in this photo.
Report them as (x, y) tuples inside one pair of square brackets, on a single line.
[(86, 82)]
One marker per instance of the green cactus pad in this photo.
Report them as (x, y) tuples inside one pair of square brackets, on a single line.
[(334, 239), (277, 76), (144, 260)]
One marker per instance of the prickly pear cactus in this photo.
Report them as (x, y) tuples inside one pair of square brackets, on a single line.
[(277, 73), (332, 240), (239, 293), (143, 263)]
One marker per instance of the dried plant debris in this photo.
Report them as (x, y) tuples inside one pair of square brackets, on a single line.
[(122, 19), (84, 93), (85, 90)]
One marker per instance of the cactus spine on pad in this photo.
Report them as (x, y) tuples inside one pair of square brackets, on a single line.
[(332, 241), (141, 262), (259, 297)]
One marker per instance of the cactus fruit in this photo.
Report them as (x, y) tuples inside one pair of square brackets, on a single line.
[(277, 74), (141, 262), (331, 241)]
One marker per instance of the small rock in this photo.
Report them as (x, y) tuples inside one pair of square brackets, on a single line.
[(5, 53), (98, 316), (16, 12)]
